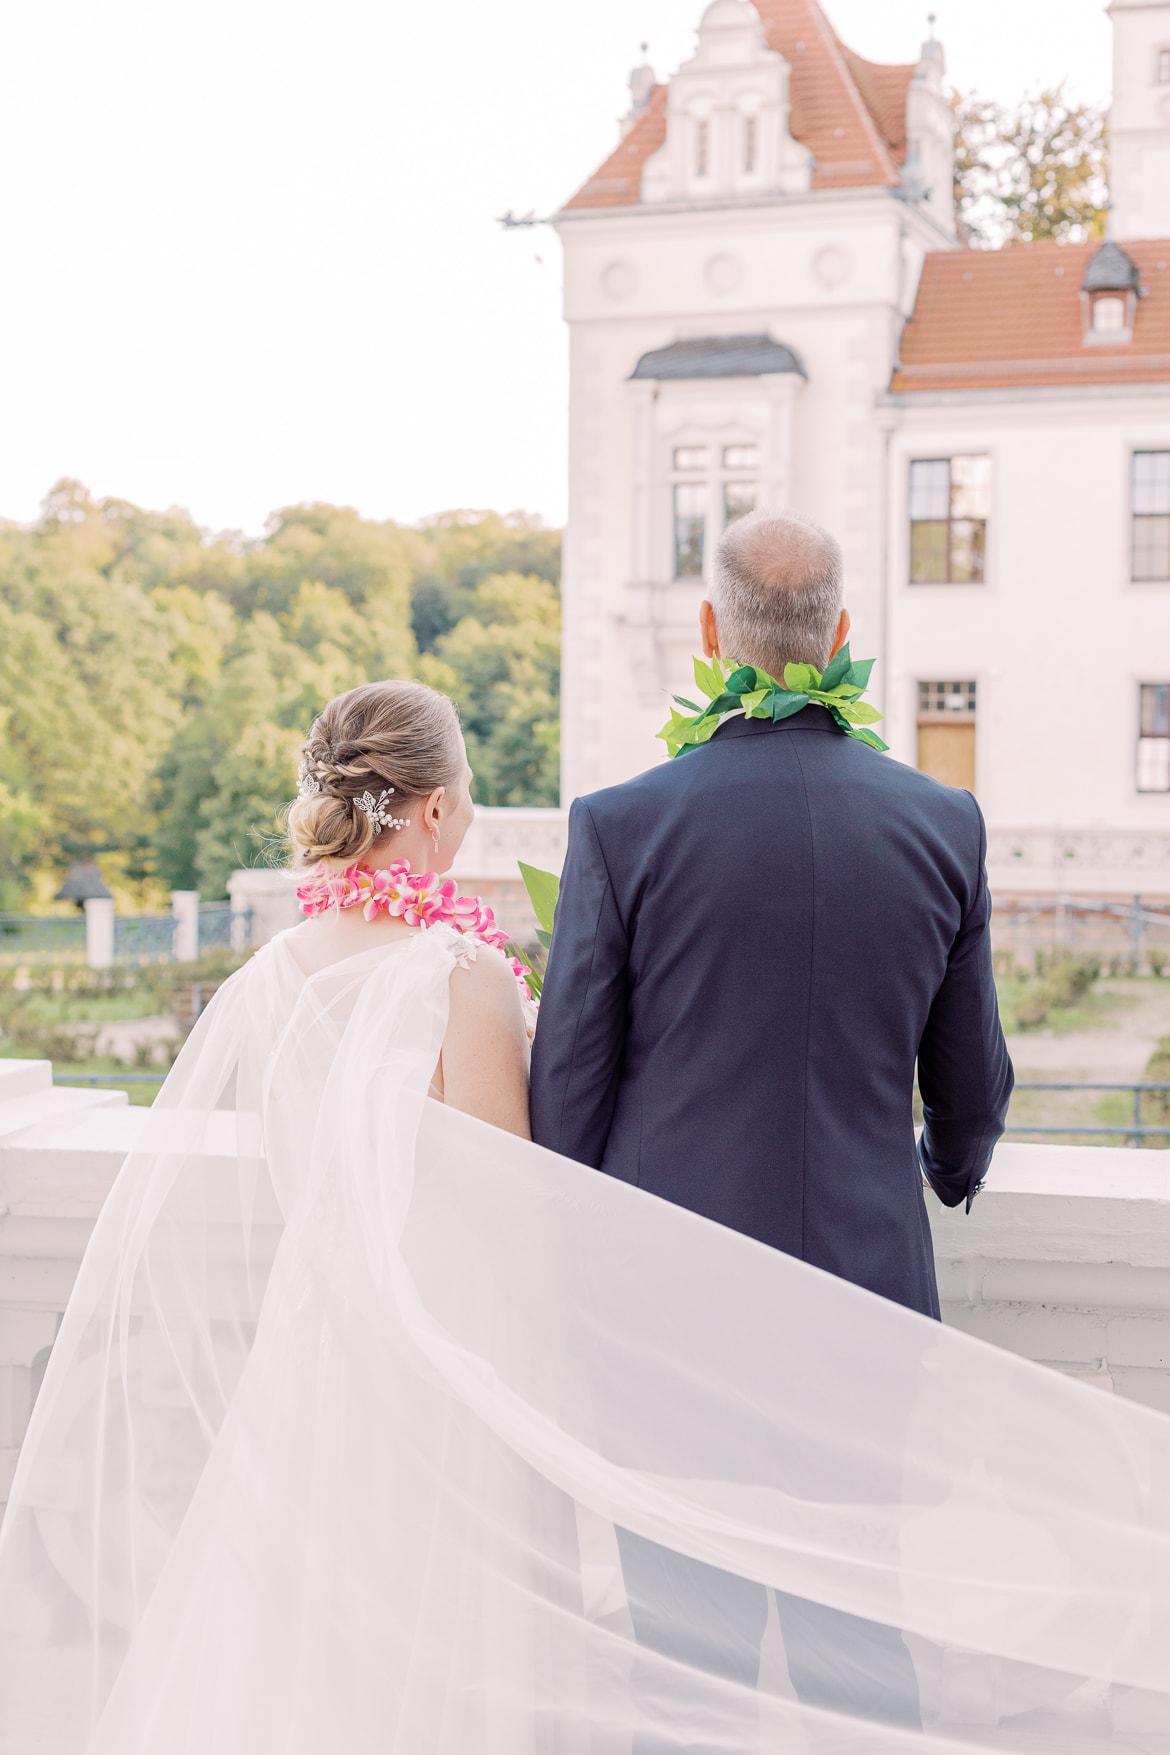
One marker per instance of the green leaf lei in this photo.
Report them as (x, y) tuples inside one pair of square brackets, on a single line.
[(757, 695)]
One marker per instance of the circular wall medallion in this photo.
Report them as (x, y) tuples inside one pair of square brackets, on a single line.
[(723, 273), (619, 279), (832, 265)]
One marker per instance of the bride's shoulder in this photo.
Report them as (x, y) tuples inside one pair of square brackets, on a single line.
[(486, 973)]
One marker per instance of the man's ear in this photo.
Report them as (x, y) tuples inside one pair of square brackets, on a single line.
[(709, 631), (842, 634)]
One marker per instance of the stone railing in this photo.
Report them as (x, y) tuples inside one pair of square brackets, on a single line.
[(1065, 1257)]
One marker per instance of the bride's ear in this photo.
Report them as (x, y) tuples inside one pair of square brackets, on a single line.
[(432, 809)]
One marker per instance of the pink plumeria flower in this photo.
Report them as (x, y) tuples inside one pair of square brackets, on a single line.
[(384, 889)]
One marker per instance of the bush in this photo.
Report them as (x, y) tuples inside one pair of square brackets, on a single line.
[(1057, 984)]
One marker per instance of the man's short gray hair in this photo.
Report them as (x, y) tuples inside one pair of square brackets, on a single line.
[(776, 591)]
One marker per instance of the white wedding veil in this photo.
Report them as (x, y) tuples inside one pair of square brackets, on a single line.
[(371, 1429)]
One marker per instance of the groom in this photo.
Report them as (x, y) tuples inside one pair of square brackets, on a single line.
[(760, 941)]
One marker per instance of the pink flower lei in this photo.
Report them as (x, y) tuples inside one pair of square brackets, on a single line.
[(420, 899)]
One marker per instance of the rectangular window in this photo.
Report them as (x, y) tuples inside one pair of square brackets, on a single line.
[(1151, 516), (690, 524), (1153, 763), (946, 700), (702, 148), (946, 732), (949, 502), (690, 457), (741, 456), (749, 144)]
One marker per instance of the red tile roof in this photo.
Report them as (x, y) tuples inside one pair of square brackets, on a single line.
[(850, 113), (1002, 318)]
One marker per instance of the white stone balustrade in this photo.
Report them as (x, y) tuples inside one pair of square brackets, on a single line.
[(1065, 1257)]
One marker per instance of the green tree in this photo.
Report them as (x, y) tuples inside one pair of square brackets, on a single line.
[(155, 680), (459, 549), (501, 664), (1034, 171)]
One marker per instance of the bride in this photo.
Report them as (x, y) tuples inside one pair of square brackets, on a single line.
[(357, 1386)]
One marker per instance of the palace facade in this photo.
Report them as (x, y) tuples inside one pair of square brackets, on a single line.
[(770, 304)]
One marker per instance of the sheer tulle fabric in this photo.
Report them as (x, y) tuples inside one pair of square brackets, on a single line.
[(371, 1429)]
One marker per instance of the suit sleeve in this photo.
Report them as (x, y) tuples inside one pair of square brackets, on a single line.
[(964, 1072), (580, 1038)]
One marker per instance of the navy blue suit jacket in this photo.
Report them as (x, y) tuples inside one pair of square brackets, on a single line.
[(754, 945)]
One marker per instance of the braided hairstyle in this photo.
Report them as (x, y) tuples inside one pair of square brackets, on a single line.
[(398, 735)]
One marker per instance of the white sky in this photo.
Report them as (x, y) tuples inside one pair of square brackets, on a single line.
[(250, 252)]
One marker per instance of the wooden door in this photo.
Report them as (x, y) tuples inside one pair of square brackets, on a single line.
[(947, 751)]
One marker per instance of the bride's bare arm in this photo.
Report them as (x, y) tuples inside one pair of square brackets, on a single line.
[(485, 1051)]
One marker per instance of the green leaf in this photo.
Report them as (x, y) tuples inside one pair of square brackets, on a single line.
[(535, 983), (801, 677), (702, 732), (543, 889), (683, 702), (839, 667), (752, 702), (871, 738), (544, 937), (861, 672), (785, 703), (742, 680), (707, 680), (858, 712)]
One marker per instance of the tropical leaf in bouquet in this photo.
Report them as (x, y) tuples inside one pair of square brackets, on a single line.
[(543, 889)]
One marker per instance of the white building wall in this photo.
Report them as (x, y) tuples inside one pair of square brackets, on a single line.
[(1139, 121), (832, 276), (1058, 638)]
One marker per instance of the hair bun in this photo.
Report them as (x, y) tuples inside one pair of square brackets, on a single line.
[(400, 738)]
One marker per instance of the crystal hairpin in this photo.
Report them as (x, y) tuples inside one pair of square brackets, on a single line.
[(375, 809), (308, 785)]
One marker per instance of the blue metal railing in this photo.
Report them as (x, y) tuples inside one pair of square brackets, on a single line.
[(48, 935), (1134, 1132)]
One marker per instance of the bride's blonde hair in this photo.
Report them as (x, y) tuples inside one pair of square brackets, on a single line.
[(398, 735)]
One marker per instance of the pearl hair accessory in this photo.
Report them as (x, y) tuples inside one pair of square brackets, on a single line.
[(375, 809)]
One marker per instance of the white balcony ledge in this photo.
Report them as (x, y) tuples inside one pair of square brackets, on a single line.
[(1065, 1257)]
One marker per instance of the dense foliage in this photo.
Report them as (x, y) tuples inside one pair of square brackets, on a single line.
[(1034, 171), (155, 681)]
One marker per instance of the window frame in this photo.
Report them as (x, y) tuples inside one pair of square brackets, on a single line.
[(1162, 64), (1137, 519), (1160, 739), (951, 521), (714, 476)]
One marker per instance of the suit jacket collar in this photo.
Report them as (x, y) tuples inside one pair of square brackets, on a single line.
[(811, 718)]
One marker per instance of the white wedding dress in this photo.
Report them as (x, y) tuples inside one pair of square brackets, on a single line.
[(353, 1391)]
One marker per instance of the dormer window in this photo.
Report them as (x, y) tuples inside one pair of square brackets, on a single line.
[(1163, 73), (749, 145), (1110, 291), (1109, 315), (702, 148)]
